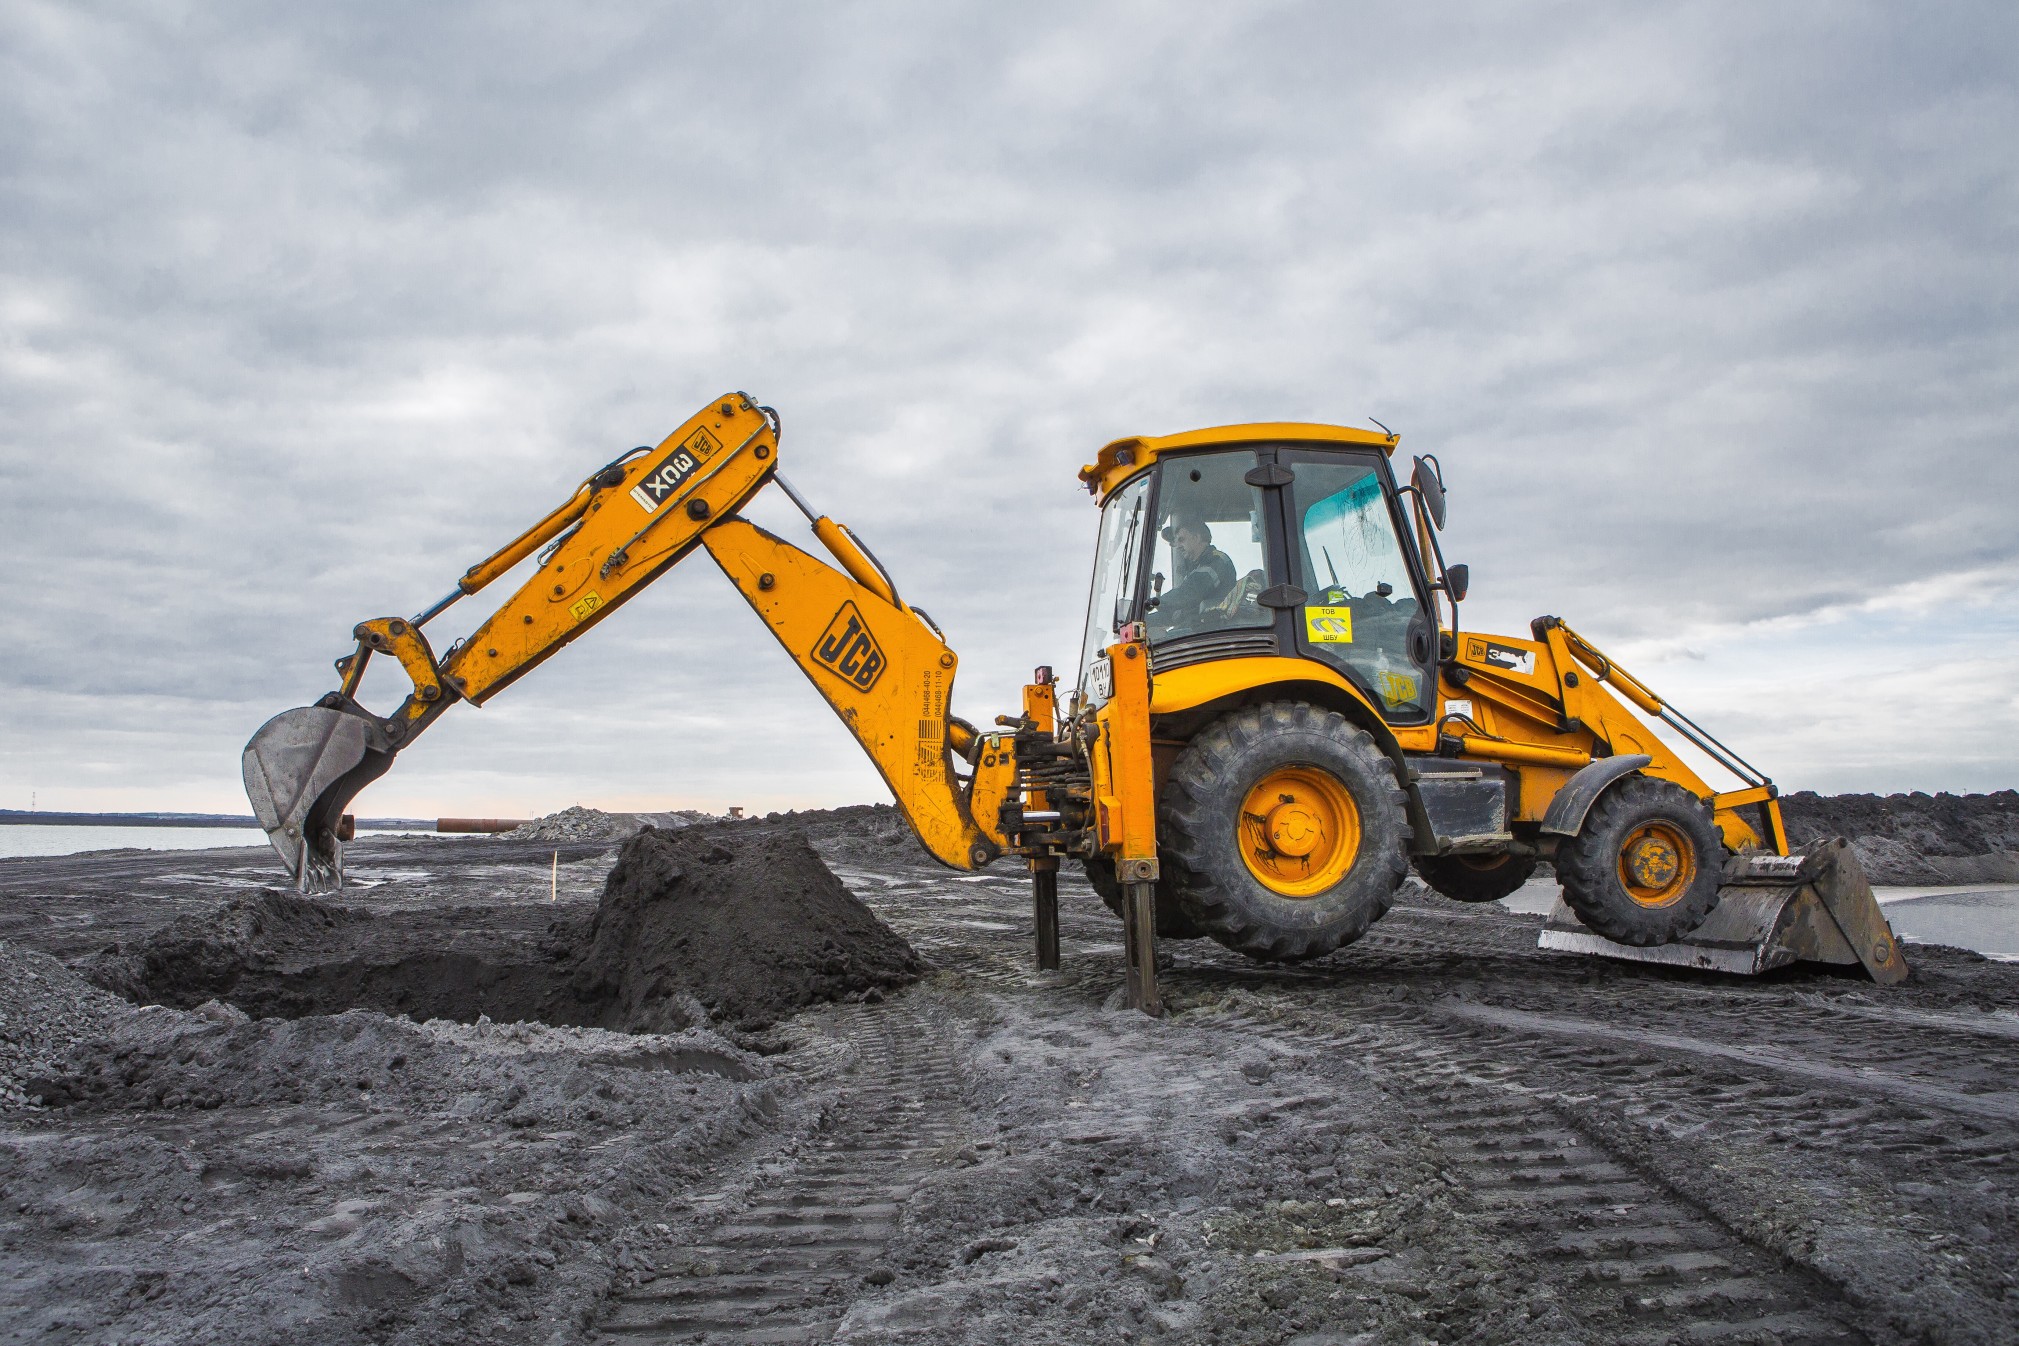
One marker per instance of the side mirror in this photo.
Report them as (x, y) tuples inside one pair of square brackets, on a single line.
[(1457, 579), (1429, 483)]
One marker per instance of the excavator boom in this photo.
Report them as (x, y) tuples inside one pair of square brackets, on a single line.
[(883, 667)]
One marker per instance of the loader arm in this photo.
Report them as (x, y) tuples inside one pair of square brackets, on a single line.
[(885, 671)]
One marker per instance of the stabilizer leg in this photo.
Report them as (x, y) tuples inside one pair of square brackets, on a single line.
[(1139, 921), (1045, 908)]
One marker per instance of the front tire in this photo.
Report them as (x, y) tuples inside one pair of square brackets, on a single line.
[(1475, 878), (1645, 867), (1285, 831)]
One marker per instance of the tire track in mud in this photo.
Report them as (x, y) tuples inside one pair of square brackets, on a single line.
[(781, 1266), (1589, 1112), (1623, 1254)]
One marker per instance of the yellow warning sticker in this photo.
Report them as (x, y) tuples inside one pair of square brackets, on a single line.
[(587, 604), (1328, 626)]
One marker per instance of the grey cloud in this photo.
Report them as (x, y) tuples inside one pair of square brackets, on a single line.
[(1709, 313)]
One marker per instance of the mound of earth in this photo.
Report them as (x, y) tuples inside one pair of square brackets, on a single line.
[(1916, 838), (45, 1010), (750, 933), (204, 956), (693, 927), (576, 823), (524, 1074), (868, 835), (199, 1176)]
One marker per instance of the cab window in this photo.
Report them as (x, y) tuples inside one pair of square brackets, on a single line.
[(1361, 604), (1207, 567), (1117, 562)]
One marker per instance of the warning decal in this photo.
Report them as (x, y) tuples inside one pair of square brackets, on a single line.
[(1328, 625)]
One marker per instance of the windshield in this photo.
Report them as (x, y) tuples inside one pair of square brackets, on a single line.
[(1117, 561)]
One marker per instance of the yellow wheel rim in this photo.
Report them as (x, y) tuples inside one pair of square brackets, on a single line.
[(1657, 864), (1300, 831)]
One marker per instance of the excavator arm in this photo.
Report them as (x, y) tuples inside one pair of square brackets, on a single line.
[(884, 669)]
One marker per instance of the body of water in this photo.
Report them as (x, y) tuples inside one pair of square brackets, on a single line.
[(38, 839), (1984, 917)]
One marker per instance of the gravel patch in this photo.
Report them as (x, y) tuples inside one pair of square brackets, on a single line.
[(46, 1010)]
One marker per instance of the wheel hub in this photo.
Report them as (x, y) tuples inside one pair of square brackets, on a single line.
[(1656, 864), (1294, 829), (1300, 831)]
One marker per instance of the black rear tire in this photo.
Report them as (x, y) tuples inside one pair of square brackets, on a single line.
[(1645, 867), (1200, 816), (1475, 878), (1172, 923)]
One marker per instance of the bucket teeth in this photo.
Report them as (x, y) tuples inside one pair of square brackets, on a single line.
[(301, 769)]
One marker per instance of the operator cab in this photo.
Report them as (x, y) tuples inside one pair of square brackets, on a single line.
[(1287, 544)]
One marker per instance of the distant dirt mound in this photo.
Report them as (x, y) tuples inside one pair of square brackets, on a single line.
[(576, 823), (752, 932), (1916, 838)]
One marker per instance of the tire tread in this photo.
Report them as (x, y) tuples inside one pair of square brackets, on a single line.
[(1187, 816)]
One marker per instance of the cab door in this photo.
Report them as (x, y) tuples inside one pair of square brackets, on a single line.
[(1363, 607)]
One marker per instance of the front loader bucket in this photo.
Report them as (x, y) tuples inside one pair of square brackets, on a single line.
[(1773, 910), (301, 769)]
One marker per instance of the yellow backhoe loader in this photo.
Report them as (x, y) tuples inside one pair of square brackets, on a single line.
[(1275, 717)]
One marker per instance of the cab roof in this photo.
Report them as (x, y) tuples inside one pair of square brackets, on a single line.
[(1125, 457)]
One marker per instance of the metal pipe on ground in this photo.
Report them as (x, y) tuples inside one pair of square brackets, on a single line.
[(479, 824)]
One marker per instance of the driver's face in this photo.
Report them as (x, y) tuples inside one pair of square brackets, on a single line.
[(1190, 544)]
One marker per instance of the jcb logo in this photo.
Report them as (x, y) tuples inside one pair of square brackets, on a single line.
[(849, 650)]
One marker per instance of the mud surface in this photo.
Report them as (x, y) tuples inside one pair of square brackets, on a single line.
[(1438, 1134), (1917, 838)]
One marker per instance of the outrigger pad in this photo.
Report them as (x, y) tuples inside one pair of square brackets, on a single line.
[(290, 766), (1772, 910)]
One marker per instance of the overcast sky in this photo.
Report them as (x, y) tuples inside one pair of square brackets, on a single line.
[(1708, 310)]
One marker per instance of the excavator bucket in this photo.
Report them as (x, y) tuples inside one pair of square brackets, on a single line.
[(1773, 910), (301, 769)]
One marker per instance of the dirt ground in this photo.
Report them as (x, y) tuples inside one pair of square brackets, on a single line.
[(1439, 1134)]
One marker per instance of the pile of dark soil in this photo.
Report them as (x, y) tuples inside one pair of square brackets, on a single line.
[(204, 956), (273, 954), (691, 930), (46, 1009), (1916, 838), (750, 932)]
